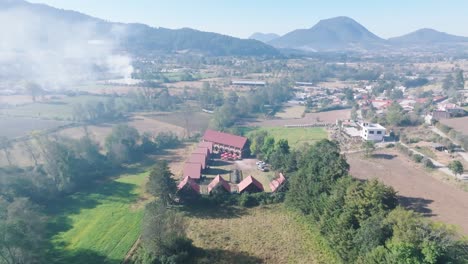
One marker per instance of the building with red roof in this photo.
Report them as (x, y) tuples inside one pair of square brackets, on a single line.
[(278, 182), (192, 170), (206, 144), (202, 150), (224, 142), (250, 185), (198, 158), (218, 183), (188, 186)]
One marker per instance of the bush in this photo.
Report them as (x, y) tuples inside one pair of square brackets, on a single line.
[(247, 200), (418, 158), (428, 163), (391, 145)]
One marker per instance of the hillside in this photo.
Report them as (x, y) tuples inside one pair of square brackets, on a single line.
[(264, 37), (134, 38), (329, 34), (427, 36)]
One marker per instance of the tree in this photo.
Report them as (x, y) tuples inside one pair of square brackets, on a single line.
[(121, 144), (394, 114), (459, 81), (161, 184), (22, 232), (5, 145), (456, 167), (163, 235), (369, 148), (34, 90), (448, 83)]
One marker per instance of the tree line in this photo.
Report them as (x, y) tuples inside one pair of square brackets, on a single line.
[(62, 167)]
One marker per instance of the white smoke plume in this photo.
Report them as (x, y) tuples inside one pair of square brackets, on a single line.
[(59, 50)]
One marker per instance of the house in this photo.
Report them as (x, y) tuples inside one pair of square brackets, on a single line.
[(277, 183), (208, 145), (224, 142), (453, 109), (249, 83), (188, 185), (372, 132), (198, 158), (250, 185), (192, 170), (219, 184), (202, 150), (437, 115)]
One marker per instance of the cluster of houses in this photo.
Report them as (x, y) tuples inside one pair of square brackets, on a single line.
[(224, 145)]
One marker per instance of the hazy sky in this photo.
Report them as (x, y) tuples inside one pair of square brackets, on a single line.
[(240, 18)]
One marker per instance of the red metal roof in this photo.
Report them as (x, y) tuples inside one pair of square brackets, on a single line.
[(225, 139), (202, 150), (191, 183), (276, 183), (206, 144), (192, 170), (198, 158), (217, 181), (247, 182)]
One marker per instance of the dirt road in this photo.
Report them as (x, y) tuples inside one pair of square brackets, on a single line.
[(417, 189)]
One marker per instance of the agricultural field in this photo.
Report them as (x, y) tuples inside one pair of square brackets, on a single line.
[(57, 109), (13, 127), (328, 117), (194, 121), (418, 189), (99, 225), (297, 136), (289, 112), (266, 234), (459, 124)]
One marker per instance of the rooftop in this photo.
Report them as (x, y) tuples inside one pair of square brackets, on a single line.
[(225, 139), (372, 125), (276, 183), (218, 180), (192, 170), (198, 158), (247, 182), (189, 182)]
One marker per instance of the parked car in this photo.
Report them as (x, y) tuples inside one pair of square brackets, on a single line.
[(260, 163)]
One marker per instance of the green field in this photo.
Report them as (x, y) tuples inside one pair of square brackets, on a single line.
[(59, 109), (99, 225), (296, 136)]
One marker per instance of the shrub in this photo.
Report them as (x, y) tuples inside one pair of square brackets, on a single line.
[(418, 158), (391, 145), (428, 163)]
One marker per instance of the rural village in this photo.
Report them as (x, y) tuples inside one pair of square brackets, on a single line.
[(211, 155)]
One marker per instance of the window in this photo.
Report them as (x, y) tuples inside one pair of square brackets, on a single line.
[(379, 132), (371, 132)]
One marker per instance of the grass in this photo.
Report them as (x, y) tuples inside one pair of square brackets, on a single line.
[(266, 234), (297, 136), (426, 151), (291, 112), (58, 109), (101, 224)]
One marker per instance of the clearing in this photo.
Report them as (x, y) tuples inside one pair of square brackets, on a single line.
[(101, 224), (265, 234), (13, 127), (288, 112), (298, 135), (322, 118), (417, 188), (459, 124)]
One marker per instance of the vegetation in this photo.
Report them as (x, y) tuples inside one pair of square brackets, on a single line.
[(296, 137), (369, 148), (456, 167), (362, 220)]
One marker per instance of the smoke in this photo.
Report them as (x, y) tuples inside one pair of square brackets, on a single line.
[(58, 49)]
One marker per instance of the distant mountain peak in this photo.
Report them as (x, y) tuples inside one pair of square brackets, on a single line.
[(264, 37), (329, 34), (427, 36)]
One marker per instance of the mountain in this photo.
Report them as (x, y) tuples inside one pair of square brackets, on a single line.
[(134, 38), (427, 36), (264, 37), (329, 34)]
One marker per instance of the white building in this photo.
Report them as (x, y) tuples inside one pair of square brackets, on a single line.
[(372, 132)]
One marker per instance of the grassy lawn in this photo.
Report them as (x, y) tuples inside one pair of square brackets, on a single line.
[(101, 224), (266, 234), (297, 136)]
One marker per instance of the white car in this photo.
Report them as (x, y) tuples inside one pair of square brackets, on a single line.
[(260, 163)]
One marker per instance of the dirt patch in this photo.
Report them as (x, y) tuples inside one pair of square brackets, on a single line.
[(459, 124), (329, 117), (417, 189)]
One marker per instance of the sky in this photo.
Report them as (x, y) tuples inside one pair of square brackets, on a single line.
[(241, 18)]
